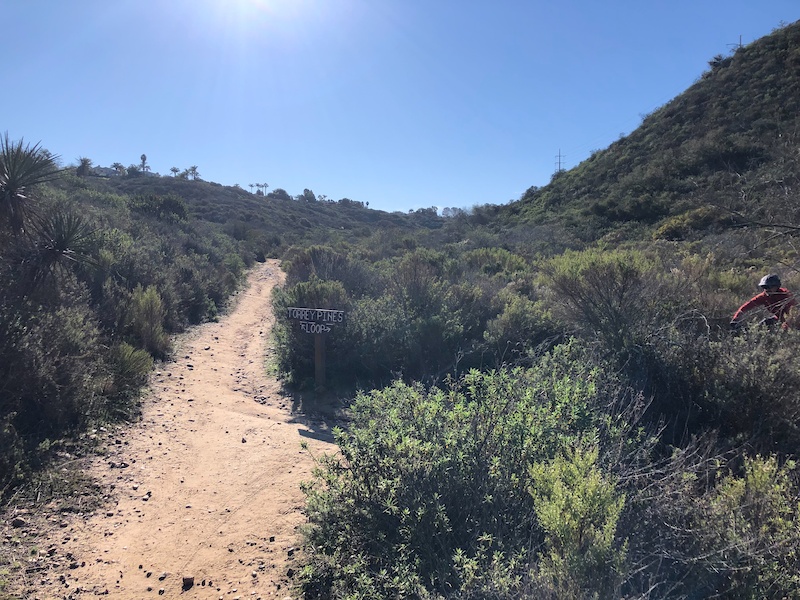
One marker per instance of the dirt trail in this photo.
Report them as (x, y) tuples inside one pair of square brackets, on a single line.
[(206, 485)]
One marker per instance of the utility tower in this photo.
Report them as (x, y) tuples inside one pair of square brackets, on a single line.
[(559, 156)]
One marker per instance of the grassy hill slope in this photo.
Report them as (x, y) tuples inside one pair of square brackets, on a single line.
[(271, 223), (722, 152)]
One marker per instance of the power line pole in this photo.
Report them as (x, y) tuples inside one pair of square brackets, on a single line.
[(736, 46), (559, 156)]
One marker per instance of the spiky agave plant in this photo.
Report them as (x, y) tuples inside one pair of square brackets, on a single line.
[(60, 239), (22, 167)]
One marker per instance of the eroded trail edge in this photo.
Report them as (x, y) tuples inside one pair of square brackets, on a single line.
[(207, 484)]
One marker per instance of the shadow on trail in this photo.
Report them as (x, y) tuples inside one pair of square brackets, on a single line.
[(320, 412)]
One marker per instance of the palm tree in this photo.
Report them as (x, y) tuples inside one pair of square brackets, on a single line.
[(251, 186), (193, 172), (175, 171), (143, 164), (84, 167), (119, 168), (22, 167)]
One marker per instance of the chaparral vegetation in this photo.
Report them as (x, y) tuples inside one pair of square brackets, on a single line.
[(543, 399)]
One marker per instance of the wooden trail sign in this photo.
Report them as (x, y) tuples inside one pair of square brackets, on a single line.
[(318, 321)]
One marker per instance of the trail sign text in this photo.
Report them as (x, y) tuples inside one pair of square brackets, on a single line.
[(315, 320)]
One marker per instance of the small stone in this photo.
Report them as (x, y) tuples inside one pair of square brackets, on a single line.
[(188, 582), (19, 522)]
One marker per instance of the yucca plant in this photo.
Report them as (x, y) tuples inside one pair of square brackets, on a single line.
[(62, 237), (22, 167)]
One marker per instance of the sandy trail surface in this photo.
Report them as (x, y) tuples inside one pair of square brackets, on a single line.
[(204, 492)]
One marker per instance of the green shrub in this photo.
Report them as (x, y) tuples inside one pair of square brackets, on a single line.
[(748, 528), (436, 492), (14, 464), (494, 261), (130, 368), (147, 321), (609, 295), (522, 325), (578, 508), (169, 207), (713, 524), (752, 388), (51, 363), (686, 224)]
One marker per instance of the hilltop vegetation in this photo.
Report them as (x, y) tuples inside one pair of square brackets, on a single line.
[(546, 397)]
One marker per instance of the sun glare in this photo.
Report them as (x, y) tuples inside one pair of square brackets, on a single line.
[(283, 10)]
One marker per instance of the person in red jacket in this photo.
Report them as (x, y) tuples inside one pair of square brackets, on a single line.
[(776, 299)]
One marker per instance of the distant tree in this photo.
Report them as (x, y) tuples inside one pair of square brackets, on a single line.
[(174, 171), (84, 167), (279, 194), (143, 165), (251, 186), (451, 212), (119, 168), (264, 186), (193, 173), (22, 167), (134, 171), (307, 196), (716, 62)]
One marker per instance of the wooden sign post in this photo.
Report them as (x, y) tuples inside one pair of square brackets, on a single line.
[(318, 321)]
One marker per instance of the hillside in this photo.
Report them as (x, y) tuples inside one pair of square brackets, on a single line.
[(546, 399), (269, 223), (722, 152)]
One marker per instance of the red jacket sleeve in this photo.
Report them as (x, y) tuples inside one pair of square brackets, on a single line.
[(754, 302)]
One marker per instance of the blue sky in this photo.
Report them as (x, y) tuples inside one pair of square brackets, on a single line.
[(399, 103)]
